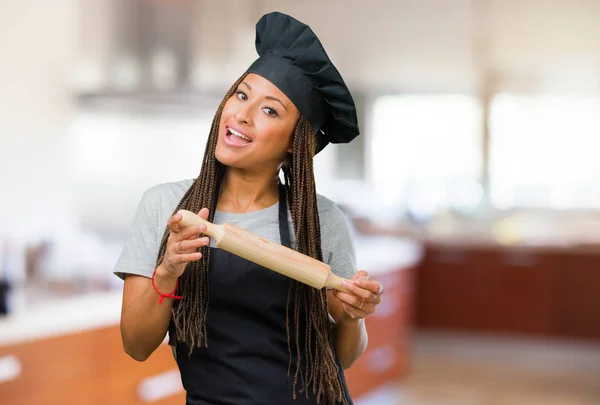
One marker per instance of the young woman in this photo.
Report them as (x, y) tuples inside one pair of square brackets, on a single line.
[(243, 334)]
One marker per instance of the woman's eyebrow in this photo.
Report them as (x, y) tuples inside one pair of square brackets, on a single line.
[(276, 99), (267, 97)]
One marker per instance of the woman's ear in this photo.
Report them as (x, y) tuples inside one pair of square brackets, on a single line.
[(290, 150)]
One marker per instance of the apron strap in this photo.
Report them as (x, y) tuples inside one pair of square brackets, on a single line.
[(284, 228)]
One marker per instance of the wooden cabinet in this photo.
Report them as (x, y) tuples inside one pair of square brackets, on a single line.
[(451, 292), (386, 357), (90, 368), (536, 291), (576, 297), (520, 284)]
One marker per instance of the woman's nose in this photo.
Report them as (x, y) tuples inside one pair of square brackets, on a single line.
[(244, 114)]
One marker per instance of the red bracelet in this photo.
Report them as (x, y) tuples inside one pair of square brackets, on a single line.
[(163, 296)]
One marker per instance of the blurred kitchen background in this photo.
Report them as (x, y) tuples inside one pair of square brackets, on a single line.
[(473, 191)]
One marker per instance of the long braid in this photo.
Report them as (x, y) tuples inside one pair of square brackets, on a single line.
[(321, 370), (189, 315)]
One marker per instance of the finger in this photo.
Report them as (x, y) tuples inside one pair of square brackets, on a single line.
[(354, 301), (187, 245), (354, 312), (362, 274), (200, 228), (173, 223), (187, 257), (352, 298), (360, 292), (203, 213), (344, 297), (349, 310), (370, 285), (190, 232), (362, 310)]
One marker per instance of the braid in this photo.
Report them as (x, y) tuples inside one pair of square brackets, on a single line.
[(189, 315), (321, 370)]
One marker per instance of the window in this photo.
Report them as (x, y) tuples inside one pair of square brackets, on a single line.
[(114, 157), (426, 152), (542, 151)]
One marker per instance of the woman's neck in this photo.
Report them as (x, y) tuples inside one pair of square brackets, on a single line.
[(243, 192)]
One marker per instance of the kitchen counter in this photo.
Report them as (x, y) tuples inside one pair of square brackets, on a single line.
[(61, 316), (72, 345), (55, 317)]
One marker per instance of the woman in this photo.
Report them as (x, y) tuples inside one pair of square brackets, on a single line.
[(242, 334)]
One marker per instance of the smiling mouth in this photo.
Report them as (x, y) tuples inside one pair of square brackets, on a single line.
[(237, 137)]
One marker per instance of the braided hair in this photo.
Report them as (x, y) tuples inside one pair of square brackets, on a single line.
[(319, 369)]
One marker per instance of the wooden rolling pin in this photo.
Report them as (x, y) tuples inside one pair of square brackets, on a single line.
[(263, 252)]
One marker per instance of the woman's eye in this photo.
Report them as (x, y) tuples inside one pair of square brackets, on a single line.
[(241, 95), (270, 111)]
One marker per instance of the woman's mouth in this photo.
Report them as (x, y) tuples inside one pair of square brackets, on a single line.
[(235, 138)]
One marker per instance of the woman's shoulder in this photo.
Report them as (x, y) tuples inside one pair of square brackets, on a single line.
[(170, 188), (336, 237), (158, 201), (330, 214), (168, 192)]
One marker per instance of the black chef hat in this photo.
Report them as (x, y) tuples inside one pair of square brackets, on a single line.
[(293, 59)]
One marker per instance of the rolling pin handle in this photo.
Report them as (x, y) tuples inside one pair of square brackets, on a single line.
[(334, 281), (191, 219)]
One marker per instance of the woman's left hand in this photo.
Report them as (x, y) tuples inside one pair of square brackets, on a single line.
[(362, 297)]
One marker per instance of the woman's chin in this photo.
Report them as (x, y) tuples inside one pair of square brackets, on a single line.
[(227, 159)]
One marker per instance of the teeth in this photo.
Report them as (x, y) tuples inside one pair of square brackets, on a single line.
[(236, 133)]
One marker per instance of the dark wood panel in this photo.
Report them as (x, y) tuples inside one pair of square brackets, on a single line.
[(577, 297), (498, 289), (453, 288), (520, 300)]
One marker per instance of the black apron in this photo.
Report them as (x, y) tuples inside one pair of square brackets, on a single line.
[(247, 359)]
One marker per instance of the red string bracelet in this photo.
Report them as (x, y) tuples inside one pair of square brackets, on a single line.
[(163, 296)]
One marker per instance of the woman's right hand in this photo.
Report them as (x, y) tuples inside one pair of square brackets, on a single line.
[(182, 244)]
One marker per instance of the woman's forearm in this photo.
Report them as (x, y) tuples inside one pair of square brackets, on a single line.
[(350, 339), (145, 321)]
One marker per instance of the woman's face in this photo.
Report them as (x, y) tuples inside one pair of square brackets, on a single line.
[(257, 122)]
